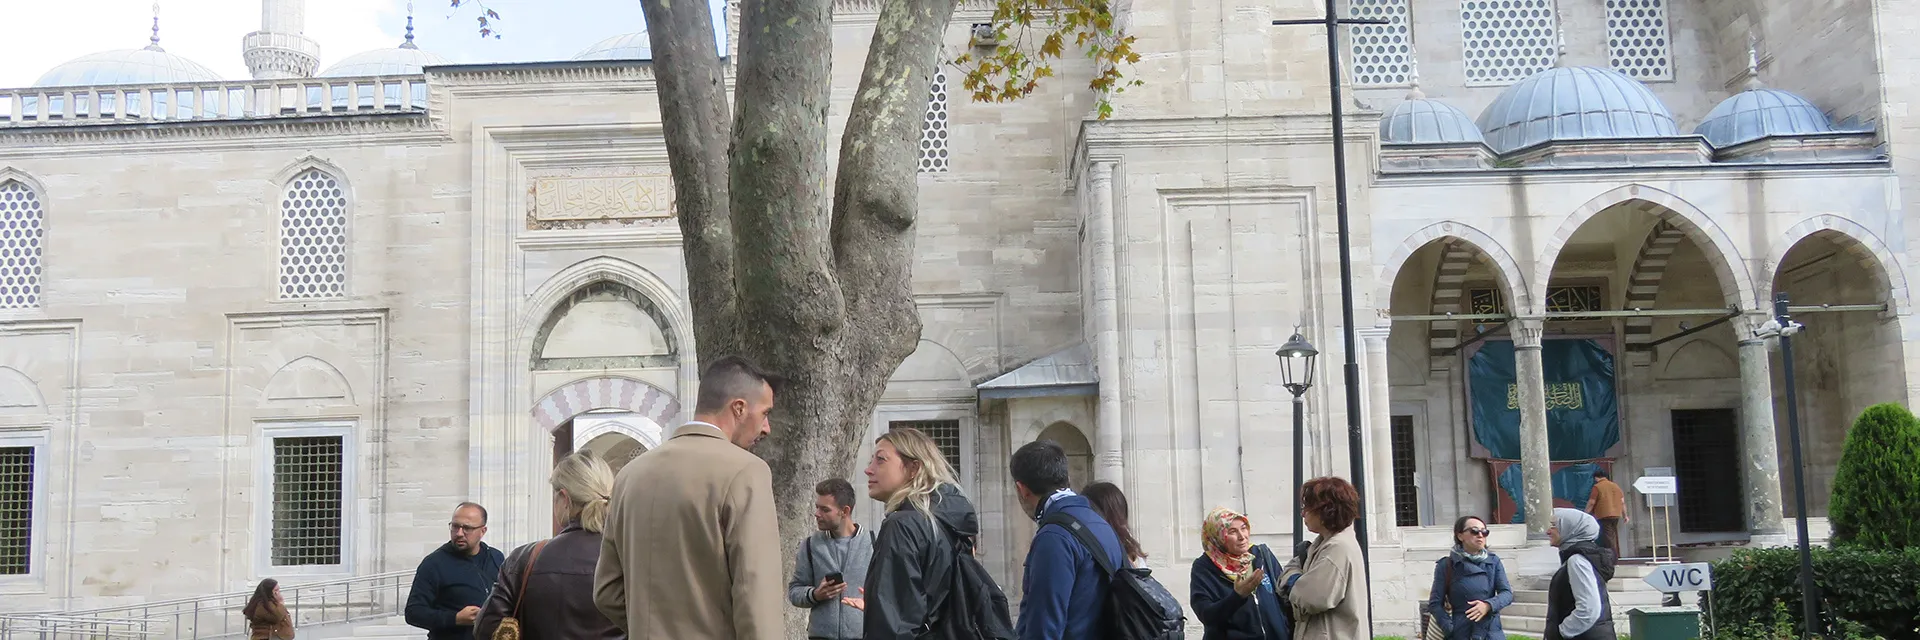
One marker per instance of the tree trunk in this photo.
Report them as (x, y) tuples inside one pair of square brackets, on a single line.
[(818, 291)]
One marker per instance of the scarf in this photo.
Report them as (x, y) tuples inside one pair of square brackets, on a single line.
[(1460, 553), (1213, 532), (1575, 526)]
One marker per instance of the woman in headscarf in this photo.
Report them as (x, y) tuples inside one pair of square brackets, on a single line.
[(1233, 582), (1577, 604), (1469, 586), (1328, 583)]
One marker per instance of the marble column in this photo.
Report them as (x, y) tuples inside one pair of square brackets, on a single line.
[(1379, 441), (1536, 467), (1109, 442), (1760, 448)]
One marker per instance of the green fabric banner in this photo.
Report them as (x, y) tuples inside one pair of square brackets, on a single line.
[(1583, 414)]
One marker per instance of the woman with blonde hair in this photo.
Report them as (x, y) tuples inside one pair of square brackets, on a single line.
[(545, 589), (929, 523)]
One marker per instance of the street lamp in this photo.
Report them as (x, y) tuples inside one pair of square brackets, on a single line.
[(1296, 373), (1783, 327)]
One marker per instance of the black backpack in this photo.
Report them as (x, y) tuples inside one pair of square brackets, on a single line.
[(972, 606), (1138, 607)]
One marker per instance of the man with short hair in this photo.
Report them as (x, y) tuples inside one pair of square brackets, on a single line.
[(1066, 590), (453, 581), (691, 549), (841, 550), (1607, 503)]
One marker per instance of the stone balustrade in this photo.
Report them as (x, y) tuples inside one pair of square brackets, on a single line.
[(211, 101)]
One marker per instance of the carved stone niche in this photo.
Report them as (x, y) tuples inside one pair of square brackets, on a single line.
[(600, 197)]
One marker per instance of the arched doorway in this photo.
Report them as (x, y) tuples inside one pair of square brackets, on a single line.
[(1079, 452)]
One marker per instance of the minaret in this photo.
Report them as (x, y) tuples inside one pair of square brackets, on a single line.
[(279, 50)]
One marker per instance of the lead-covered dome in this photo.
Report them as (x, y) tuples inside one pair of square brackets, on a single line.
[(1574, 103), (632, 46), (151, 65), (1423, 121), (1759, 113), (404, 60)]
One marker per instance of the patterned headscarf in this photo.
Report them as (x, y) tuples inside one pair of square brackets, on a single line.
[(1214, 533)]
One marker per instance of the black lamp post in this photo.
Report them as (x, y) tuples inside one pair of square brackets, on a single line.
[(1296, 373), (1783, 327)]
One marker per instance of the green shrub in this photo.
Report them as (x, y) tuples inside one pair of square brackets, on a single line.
[(1878, 590), (1781, 625), (1876, 493)]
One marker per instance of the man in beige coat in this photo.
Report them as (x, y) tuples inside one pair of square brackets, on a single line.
[(691, 549)]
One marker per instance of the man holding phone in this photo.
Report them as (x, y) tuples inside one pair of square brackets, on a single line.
[(831, 563)]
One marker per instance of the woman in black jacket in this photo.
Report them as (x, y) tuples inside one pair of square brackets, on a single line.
[(1233, 582), (927, 516), (1577, 604), (547, 586)]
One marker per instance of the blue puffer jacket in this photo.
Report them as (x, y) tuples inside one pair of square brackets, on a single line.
[(1472, 581), (1066, 592)]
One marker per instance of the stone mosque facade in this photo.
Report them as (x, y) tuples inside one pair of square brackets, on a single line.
[(328, 303)]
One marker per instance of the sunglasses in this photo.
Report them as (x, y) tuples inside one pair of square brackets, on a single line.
[(1478, 533)]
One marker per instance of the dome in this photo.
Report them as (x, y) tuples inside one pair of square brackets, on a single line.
[(1574, 103), (632, 46), (151, 65), (404, 60), (1423, 121), (1758, 113)]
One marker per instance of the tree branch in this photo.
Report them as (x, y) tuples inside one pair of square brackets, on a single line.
[(695, 122)]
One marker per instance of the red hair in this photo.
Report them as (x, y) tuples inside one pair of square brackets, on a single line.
[(1333, 500)]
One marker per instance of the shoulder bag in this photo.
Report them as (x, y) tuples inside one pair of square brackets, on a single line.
[(1433, 630), (509, 628)]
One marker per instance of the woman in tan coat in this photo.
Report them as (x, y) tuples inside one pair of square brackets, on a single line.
[(1329, 583), (266, 613)]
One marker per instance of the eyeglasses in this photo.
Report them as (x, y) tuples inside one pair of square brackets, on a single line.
[(469, 528), (1478, 533)]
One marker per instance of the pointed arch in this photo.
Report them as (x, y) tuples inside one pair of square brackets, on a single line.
[(1506, 271), (315, 204), (1863, 244), (1736, 283), (605, 392), (550, 294), (308, 379), (23, 215)]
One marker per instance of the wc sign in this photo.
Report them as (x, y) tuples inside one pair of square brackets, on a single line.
[(1676, 578)]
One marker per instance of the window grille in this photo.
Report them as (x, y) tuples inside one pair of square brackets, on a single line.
[(1637, 39), (308, 495), (1406, 497), (21, 232), (933, 134), (1382, 53), (1507, 40), (313, 237), (16, 510), (945, 433)]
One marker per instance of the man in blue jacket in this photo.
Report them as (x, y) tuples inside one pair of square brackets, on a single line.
[(452, 582), (1066, 591)]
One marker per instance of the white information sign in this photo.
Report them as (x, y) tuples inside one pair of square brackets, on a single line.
[(1656, 485), (1676, 578)]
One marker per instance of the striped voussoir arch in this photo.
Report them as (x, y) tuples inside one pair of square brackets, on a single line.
[(1643, 282), (606, 393), (1449, 296)]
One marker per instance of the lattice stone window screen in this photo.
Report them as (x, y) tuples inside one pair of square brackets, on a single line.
[(1637, 39), (313, 237), (16, 510), (1507, 40), (1382, 53), (933, 134), (945, 433), (21, 232), (308, 494)]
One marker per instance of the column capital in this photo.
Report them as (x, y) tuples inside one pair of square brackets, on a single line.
[(1373, 333), (1101, 171), (1527, 331)]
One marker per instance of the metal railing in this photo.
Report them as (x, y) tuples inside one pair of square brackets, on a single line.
[(356, 599), (203, 101)]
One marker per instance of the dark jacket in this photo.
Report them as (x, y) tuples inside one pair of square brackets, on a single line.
[(446, 582), (1561, 601), (271, 622), (558, 600), (1228, 616), (909, 560), (819, 555), (1066, 592), (1471, 581)]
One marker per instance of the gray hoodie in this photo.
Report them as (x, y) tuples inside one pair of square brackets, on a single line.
[(820, 555)]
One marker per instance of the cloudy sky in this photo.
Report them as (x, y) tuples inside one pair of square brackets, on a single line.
[(39, 34)]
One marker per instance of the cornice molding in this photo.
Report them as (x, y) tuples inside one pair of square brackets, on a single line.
[(220, 135), (460, 79), (1217, 130), (307, 317), (649, 237)]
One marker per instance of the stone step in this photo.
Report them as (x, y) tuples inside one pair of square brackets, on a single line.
[(1627, 597)]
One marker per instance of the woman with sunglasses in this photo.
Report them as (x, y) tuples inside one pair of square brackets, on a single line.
[(1469, 587)]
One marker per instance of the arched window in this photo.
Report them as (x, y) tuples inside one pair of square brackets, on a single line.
[(313, 237), (933, 134), (21, 231)]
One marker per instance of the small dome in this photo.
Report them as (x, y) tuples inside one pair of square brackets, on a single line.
[(404, 60), (1758, 113), (632, 46), (1574, 103), (151, 65), (1423, 121)]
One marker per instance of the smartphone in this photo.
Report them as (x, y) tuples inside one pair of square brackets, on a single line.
[(834, 578)]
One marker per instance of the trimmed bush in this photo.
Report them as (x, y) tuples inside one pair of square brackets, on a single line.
[(1876, 493), (1879, 590)]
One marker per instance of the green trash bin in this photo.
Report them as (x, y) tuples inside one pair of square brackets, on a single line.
[(1664, 623)]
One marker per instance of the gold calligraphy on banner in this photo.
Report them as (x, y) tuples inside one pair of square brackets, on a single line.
[(602, 198), (1560, 395)]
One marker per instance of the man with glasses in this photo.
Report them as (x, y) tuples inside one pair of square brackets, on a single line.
[(452, 582)]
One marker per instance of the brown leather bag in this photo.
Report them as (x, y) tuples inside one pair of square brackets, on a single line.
[(509, 628)]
